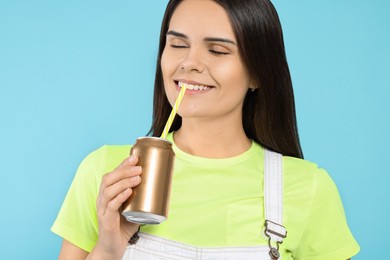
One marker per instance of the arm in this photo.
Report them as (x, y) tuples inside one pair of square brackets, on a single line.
[(70, 251), (326, 210), (114, 231)]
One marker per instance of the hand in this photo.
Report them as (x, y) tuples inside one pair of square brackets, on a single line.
[(114, 230)]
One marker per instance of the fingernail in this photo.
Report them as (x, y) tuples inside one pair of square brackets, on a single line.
[(132, 158), (138, 168)]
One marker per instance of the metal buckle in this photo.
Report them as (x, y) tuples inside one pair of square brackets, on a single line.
[(269, 225), (281, 232)]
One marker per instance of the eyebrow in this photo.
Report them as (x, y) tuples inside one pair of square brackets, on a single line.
[(207, 39)]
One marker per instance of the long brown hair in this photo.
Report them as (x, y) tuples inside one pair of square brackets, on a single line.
[(268, 112)]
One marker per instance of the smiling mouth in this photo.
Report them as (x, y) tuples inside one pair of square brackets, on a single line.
[(192, 86)]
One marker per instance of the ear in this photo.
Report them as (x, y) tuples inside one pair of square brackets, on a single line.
[(252, 86)]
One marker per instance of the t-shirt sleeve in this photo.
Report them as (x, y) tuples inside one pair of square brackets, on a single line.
[(77, 219), (327, 235)]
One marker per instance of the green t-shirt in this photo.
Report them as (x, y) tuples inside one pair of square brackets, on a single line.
[(219, 202)]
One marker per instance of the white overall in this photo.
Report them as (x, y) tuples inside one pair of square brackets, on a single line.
[(150, 247)]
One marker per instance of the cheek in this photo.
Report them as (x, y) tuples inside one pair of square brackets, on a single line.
[(164, 65), (167, 72), (231, 75), (168, 66)]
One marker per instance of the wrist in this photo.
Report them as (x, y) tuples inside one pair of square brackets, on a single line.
[(99, 253)]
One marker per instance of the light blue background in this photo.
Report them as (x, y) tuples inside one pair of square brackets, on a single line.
[(75, 75)]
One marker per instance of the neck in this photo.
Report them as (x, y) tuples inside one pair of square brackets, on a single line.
[(211, 139)]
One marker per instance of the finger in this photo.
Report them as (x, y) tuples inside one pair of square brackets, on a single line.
[(117, 176), (109, 193), (111, 213), (124, 171), (129, 161)]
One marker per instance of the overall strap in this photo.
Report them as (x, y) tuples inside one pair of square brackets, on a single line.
[(273, 201)]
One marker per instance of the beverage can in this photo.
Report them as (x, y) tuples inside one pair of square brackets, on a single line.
[(149, 202)]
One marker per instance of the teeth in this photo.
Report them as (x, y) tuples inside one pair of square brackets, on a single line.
[(193, 87)]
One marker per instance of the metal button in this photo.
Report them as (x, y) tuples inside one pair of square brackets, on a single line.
[(274, 253)]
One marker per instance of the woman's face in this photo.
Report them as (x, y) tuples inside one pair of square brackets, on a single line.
[(201, 51)]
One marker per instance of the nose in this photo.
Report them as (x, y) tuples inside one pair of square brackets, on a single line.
[(192, 62)]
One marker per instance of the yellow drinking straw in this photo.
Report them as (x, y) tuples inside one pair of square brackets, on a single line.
[(174, 110)]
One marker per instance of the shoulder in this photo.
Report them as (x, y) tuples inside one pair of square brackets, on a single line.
[(104, 159), (77, 221), (312, 205), (306, 185), (107, 151), (90, 171), (304, 172), (293, 164)]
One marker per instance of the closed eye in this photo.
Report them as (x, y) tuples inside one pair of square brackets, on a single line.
[(218, 49), (177, 46), (218, 52)]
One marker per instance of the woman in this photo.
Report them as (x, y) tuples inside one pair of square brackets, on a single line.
[(238, 108)]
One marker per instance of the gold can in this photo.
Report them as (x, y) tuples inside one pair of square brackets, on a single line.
[(149, 202)]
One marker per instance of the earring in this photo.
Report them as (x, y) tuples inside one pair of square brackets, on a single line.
[(252, 89)]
